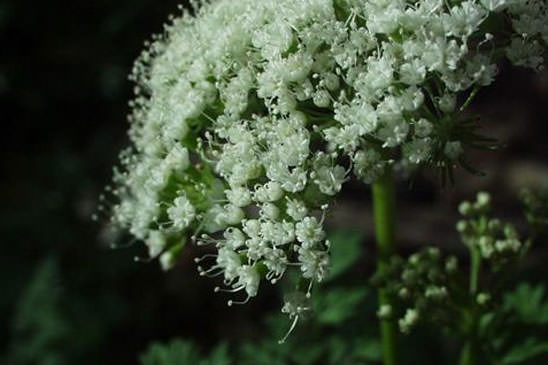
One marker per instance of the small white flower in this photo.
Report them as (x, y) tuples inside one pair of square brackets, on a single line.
[(412, 72), (379, 75), (273, 38), (393, 133), (322, 98), (257, 247), (309, 232), (290, 181), (329, 178), (314, 264), (181, 213), (385, 311), (417, 150), (344, 138), (296, 209), (423, 128), (368, 165), (252, 227), (525, 53), (248, 278), (436, 292), (464, 19), (234, 238), (177, 158), (229, 261), (269, 192), (510, 244), (276, 262), (270, 211), (167, 260), (496, 5), (447, 102), (156, 242), (239, 196), (409, 320)]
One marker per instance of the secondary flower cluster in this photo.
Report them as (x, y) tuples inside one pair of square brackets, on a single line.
[(250, 115), (495, 240), (421, 286), (428, 283)]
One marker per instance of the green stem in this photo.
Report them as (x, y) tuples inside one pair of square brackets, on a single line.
[(470, 351), (384, 205), (468, 354), (469, 99), (475, 267)]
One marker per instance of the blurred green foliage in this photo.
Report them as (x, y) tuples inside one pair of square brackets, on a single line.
[(182, 352), (341, 330), (521, 334), (529, 303), (39, 327)]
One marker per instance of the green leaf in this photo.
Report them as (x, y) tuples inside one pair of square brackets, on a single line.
[(338, 305), (529, 303), (345, 251), (527, 350)]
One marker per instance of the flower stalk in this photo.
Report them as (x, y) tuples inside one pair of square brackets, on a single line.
[(384, 204), (469, 351), (468, 354)]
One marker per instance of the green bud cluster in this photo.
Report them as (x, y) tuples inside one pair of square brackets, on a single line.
[(497, 241), (420, 284), (428, 287)]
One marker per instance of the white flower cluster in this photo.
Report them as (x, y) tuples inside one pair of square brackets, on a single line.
[(250, 115)]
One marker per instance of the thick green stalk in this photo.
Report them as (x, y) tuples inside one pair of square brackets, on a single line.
[(384, 205)]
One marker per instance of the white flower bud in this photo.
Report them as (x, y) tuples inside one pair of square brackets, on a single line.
[(384, 311), (409, 320)]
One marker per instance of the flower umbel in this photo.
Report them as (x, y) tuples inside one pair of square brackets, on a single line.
[(251, 115)]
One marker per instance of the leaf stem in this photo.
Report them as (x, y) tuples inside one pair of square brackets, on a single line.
[(384, 205)]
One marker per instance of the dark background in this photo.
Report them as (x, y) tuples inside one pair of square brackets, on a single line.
[(63, 101)]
